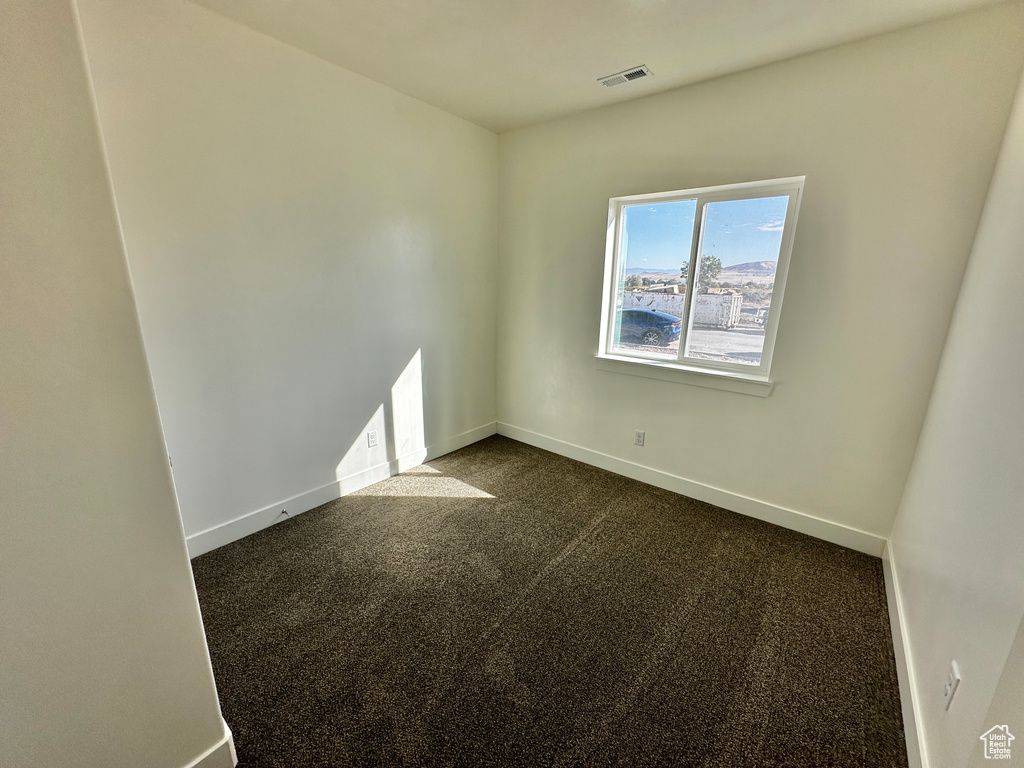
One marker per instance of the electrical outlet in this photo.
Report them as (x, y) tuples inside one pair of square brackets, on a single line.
[(952, 682), (371, 438), (638, 438)]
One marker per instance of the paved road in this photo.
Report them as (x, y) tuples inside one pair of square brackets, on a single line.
[(735, 346), (739, 345)]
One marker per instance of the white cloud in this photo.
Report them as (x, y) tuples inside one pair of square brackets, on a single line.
[(772, 225)]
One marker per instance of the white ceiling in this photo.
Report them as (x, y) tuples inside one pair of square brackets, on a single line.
[(508, 63)]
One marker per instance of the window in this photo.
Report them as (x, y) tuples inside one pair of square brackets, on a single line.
[(694, 279)]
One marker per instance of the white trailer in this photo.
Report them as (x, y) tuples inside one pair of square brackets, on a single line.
[(670, 303), (717, 310)]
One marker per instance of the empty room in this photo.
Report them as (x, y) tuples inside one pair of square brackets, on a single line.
[(511, 384)]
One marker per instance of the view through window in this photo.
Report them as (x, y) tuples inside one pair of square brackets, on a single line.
[(697, 275)]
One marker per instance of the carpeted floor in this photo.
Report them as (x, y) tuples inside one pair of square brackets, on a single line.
[(504, 606)]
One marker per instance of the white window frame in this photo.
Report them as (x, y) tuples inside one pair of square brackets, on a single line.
[(754, 379)]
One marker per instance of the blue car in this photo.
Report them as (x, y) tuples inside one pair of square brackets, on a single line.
[(648, 326)]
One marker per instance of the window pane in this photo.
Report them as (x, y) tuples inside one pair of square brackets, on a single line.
[(740, 247), (650, 288)]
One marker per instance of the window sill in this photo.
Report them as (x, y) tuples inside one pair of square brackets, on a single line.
[(745, 384)]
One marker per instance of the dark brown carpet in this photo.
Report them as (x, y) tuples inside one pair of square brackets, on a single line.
[(504, 606)]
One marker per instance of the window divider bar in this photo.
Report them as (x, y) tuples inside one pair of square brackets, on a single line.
[(695, 238)]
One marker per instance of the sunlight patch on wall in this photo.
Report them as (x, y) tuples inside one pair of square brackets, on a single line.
[(393, 440), (407, 415), (368, 462)]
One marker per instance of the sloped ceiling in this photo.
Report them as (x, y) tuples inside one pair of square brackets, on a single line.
[(503, 64)]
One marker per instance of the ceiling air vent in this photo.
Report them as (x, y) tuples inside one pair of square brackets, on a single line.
[(633, 73)]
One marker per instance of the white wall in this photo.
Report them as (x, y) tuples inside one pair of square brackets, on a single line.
[(897, 136), (296, 233), (103, 661), (956, 545), (1007, 707)]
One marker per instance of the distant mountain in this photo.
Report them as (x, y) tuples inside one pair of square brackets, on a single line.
[(753, 268), (652, 272)]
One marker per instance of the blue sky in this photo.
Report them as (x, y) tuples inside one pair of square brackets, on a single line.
[(657, 236)]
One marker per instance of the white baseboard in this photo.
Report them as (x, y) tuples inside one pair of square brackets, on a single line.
[(251, 522), (220, 755), (916, 754), (837, 533)]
